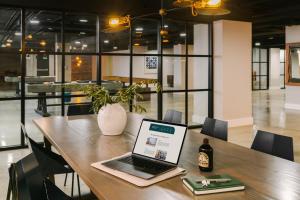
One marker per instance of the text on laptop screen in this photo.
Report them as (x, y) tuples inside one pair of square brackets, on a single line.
[(160, 141)]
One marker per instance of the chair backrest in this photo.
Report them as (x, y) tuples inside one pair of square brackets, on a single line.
[(215, 128), (26, 136), (134, 121), (45, 159), (28, 181), (273, 144), (81, 109), (173, 116)]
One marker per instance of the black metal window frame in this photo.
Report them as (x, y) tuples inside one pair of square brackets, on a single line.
[(259, 77), (283, 75), (99, 55)]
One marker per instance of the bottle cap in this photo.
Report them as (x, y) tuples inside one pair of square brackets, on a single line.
[(205, 141)]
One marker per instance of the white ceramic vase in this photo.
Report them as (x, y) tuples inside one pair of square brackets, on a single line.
[(112, 119)]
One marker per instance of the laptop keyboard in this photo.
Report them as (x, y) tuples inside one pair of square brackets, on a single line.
[(146, 165)]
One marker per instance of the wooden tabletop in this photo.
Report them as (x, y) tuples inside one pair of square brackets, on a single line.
[(126, 79), (79, 141)]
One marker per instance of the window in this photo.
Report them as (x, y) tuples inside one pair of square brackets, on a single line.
[(260, 69), (74, 48)]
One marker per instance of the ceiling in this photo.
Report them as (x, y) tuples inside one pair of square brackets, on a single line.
[(269, 17)]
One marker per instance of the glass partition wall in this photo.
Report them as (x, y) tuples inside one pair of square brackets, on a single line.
[(42, 49), (260, 69), (282, 68)]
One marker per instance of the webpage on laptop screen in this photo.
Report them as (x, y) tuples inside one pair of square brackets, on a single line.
[(160, 141)]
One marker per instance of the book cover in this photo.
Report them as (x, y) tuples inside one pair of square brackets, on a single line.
[(194, 184)]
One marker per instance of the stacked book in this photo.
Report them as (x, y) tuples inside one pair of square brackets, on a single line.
[(212, 184)]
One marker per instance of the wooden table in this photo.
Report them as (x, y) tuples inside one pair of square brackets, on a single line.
[(78, 140)]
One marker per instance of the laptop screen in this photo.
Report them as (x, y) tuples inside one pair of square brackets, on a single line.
[(159, 140)]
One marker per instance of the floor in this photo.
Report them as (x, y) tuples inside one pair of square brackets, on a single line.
[(268, 111)]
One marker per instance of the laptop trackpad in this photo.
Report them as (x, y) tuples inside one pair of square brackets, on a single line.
[(127, 168)]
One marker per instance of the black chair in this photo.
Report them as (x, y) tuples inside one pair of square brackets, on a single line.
[(30, 184), (50, 162), (81, 109), (21, 174), (273, 144), (173, 116), (215, 128)]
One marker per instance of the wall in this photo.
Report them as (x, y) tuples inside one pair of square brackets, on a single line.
[(232, 72), (292, 100)]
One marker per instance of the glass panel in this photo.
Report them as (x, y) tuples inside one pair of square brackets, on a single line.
[(10, 29), (282, 55), (282, 69), (43, 31), (115, 70), (117, 42), (174, 41), (198, 39), (80, 68), (144, 36), (198, 73), (282, 80), (256, 69), (255, 55), (53, 108), (145, 70), (263, 55), (80, 33), (256, 82), (295, 63), (150, 103), (10, 70), (198, 107), (10, 115), (43, 74), (75, 100), (263, 68), (174, 73), (174, 101), (264, 82)]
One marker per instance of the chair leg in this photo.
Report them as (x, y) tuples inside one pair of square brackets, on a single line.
[(78, 185), (66, 177), (9, 190), (72, 190)]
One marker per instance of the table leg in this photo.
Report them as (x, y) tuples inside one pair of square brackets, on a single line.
[(42, 105), (48, 145)]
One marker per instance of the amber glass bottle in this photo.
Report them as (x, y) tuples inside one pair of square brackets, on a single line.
[(206, 156)]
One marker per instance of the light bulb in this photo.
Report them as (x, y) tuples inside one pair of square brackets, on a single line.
[(114, 21), (214, 3)]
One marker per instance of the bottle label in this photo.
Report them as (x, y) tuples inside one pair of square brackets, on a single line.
[(203, 160)]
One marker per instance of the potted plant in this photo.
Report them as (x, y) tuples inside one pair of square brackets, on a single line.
[(112, 117)]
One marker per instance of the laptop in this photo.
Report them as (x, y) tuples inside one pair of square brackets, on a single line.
[(156, 151)]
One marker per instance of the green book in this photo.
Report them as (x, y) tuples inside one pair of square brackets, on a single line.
[(194, 184)]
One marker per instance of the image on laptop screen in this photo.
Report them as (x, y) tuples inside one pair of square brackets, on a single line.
[(160, 141)]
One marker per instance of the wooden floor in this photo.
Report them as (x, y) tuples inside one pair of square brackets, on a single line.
[(269, 114)]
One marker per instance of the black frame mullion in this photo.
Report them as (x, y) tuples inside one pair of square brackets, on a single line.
[(63, 63), (23, 73), (160, 71), (211, 72), (99, 51), (186, 75)]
